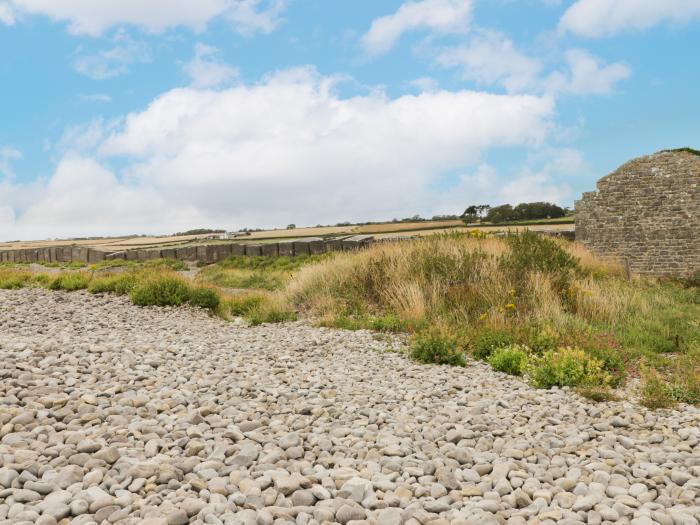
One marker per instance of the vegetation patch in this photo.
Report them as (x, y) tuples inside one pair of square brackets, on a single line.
[(512, 360), (434, 347)]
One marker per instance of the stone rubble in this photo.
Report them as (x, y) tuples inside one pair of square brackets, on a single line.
[(115, 414)]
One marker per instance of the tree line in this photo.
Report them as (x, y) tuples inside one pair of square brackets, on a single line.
[(525, 211)]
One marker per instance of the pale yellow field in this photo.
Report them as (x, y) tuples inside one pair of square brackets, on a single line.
[(400, 229)]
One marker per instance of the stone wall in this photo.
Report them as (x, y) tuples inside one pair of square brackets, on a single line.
[(205, 253), (646, 214)]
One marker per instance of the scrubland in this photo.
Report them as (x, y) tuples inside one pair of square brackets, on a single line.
[(527, 305)]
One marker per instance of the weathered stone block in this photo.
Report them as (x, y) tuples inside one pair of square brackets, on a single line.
[(132, 255), (301, 247), (167, 253), (95, 256), (238, 249), (269, 249), (286, 248), (253, 250)]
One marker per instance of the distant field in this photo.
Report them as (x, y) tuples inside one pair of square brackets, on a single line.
[(390, 229)]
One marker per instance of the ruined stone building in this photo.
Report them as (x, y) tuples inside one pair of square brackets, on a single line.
[(646, 214)]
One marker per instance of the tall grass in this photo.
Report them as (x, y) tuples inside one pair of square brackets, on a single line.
[(543, 294)]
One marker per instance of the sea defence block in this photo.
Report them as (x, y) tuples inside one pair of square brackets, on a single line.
[(115, 255), (357, 241), (253, 250), (95, 256), (301, 247), (238, 249), (317, 247), (270, 249), (286, 248), (167, 253)]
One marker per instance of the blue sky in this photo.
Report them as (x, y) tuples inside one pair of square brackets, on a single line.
[(150, 116)]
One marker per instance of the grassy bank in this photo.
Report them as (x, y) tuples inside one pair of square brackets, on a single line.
[(528, 305)]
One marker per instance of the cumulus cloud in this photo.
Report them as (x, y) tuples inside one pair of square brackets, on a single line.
[(544, 177), (95, 17), (437, 16), (7, 155), (114, 61), (286, 149), (206, 68), (587, 75), (7, 15), (491, 58), (598, 18)]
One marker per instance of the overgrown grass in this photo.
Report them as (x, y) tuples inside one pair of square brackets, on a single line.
[(551, 296), (262, 273)]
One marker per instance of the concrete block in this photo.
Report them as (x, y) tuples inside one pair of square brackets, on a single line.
[(223, 251), (132, 255), (95, 256), (53, 254), (253, 250), (115, 255), (238, 249), (141, 255), (167, 253), (286, 248), (317, 247), (3, 256), (201, 253), (357, 241), (79, 254), (212, 254), (269, 249)]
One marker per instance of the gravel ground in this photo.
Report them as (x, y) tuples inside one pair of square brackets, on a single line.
[(110, 413)]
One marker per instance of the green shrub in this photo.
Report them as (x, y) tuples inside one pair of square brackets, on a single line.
[(120, 284), (43, 279), (240, 306), (488, 341), (511, 359), (654, 392), (567, 367), (269, 314), (70, 281), (160, 290), (205, 298), (543, 340), (612, 363), (14, 279), (531, 251), (435, 348)]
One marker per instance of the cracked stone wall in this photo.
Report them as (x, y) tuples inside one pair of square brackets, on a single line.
[(647, 214)]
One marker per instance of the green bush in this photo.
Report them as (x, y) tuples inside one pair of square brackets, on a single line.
[(120, 284), (240, 306), (531, 251), (160, 290), (612, 363), (435, 348), (543, 340), (14, 279), (567, 367), (511, 359), (269, 314), (488, 341), (204, 298), (654, 391), (70, 281)]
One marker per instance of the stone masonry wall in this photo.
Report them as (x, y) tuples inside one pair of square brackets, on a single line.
[(205, 253), (646, 214)]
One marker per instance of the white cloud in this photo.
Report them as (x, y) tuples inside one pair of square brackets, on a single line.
[(115, 61), (7, 15), (206, 68), (544, 178), (248, 19), (7, 155), (428, 84), (587, 76), (96, 97), (438, 16), (598, 18), (491, 58), (286, 149), (94, 17)]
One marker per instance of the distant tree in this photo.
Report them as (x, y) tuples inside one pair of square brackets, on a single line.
[(198, 231), (291, 226), (475, 212), (538, 210), (503, 213)]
